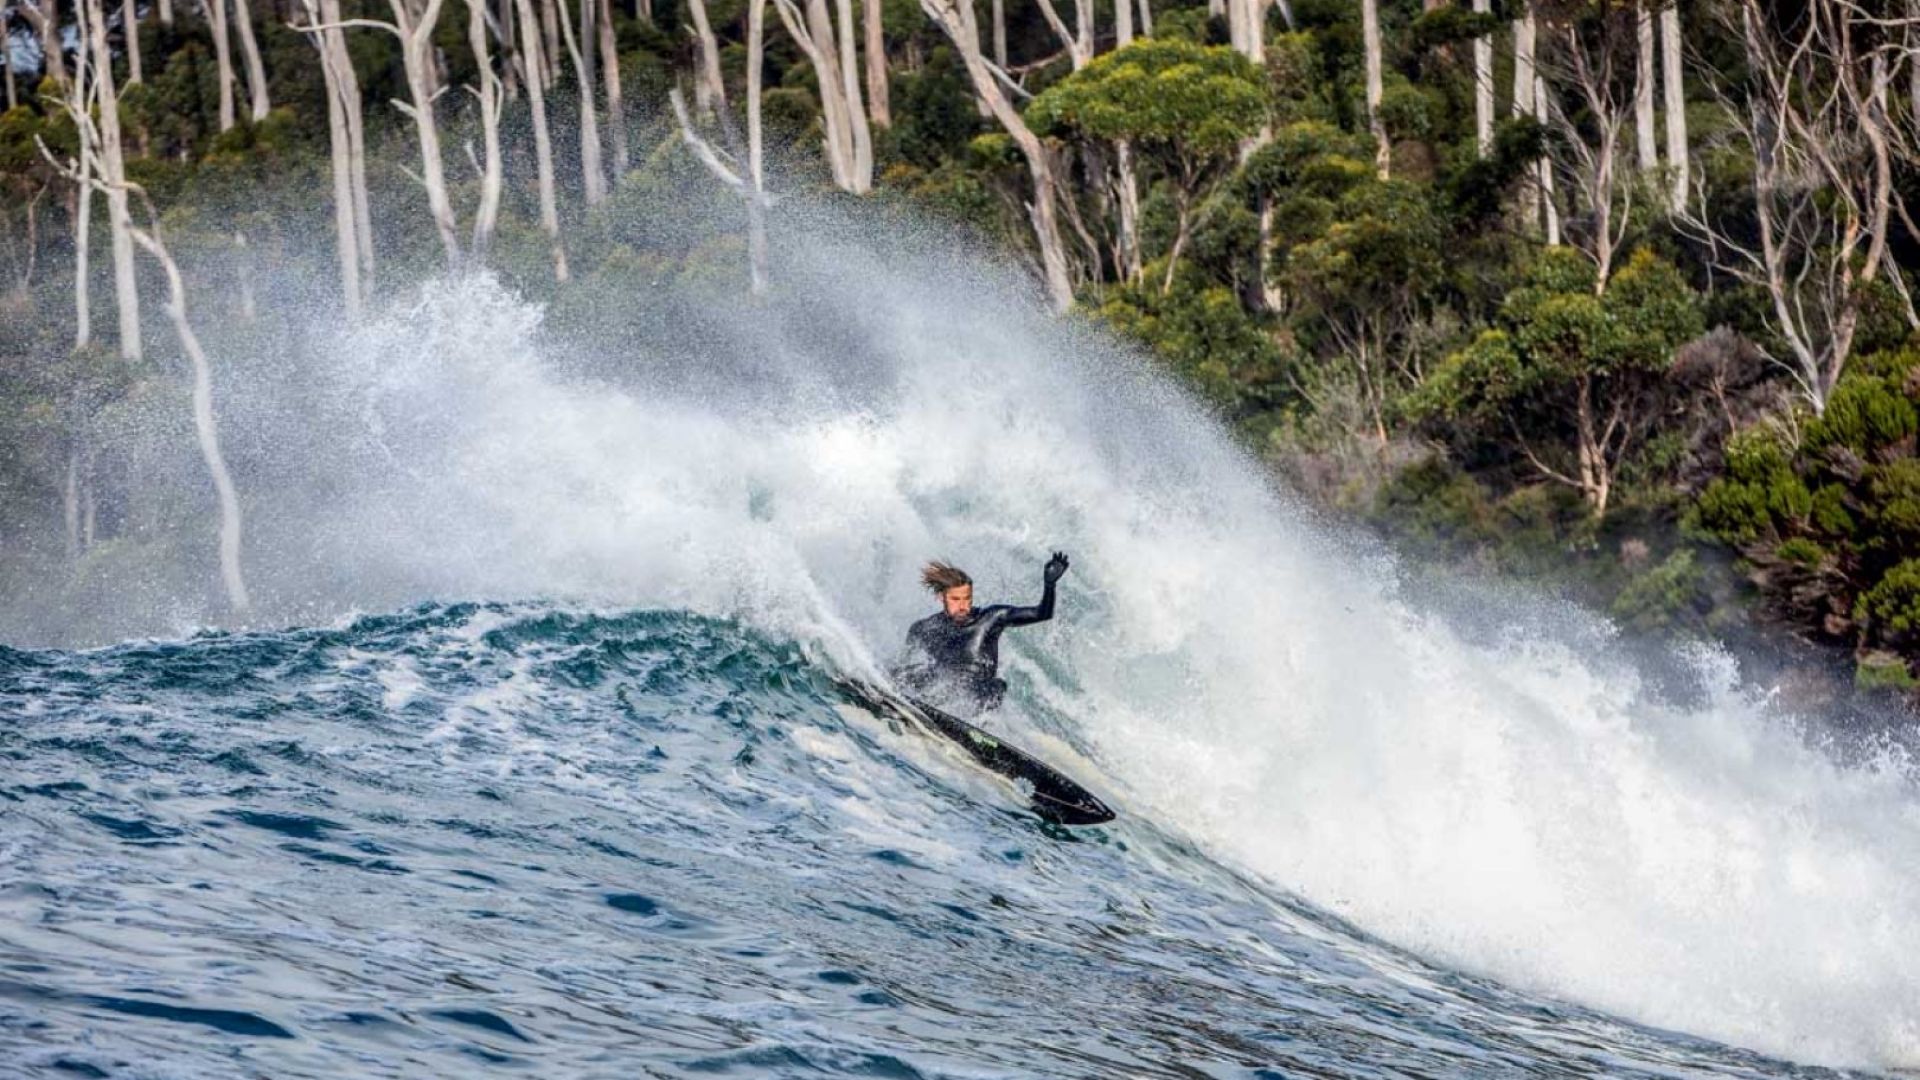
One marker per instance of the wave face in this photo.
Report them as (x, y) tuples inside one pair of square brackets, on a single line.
[(517, 837), (1493, 790)]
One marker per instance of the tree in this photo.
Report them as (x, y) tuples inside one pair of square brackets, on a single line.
[(1566, 365), (542, 139), (1184, 107), (956, 20), (1815, 120), (206, 430), (835, 60)]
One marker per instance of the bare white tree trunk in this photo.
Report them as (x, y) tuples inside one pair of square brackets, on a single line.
[(205, 430), (340, 155), (956, 19), (610, 83), (542, 140), (130, 26), (223, 60), (250, 49), (1079, 40), (414, 27), (593, 175), (77, 104), (491, 95), (351, 108), (1247, 28), (1524, 38), (710, 90), (849, 143), (1146, 18), (100, 174), (1000, 33), (550, 27), (879, 104), (1483, 85), (114, 171), (1645, 141), (1370, 43), (1122, 24), (756, 165), (1678, 160), (13, 91), (856, 111), (166, 13), (1546, 166)]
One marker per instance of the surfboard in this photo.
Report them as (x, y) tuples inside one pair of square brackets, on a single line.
[(1054, 797)]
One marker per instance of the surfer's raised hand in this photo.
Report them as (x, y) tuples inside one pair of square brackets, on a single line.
[(1056, 567)]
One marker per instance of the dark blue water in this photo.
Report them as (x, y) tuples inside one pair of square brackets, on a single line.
[(514, 840)]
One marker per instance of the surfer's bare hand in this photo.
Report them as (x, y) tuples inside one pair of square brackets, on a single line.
[(1056, 567)]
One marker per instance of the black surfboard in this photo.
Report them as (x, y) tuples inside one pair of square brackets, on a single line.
[(1055, 798)]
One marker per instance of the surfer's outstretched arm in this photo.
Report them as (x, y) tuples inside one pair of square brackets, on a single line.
[(1041, 612)]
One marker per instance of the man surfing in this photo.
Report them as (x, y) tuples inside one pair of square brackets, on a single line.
[(957, 649)]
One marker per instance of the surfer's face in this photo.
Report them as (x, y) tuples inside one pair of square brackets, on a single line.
[(958, 601)]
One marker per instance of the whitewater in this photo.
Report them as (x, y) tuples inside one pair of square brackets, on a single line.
[(531, 757)]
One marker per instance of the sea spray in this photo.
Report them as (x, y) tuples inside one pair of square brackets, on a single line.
[(1520, 805)]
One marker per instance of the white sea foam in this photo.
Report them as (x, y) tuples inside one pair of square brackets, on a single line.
[(1511, 801)]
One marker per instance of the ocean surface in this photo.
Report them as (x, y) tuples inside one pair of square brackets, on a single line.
[(527, 759), (525, 840)]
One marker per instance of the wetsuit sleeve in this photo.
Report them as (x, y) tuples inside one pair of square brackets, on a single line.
[(1027, 616)]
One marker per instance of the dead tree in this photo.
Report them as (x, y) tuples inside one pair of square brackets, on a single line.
[(542, 139), (413, 26), (1814, 115), (835, 60), (1483, 86), (340, 157), (956, 19), (1589, 65), (593, 175), (206, 430), (610, 80), (1678, 164), (250, 51), (1370, 45), (491, 96), (112, 170), (879, 103), (222, 60)]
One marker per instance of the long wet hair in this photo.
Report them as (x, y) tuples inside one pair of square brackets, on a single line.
[(939, 576)]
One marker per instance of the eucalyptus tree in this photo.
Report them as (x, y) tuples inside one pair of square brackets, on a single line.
[(222, 59), (531, 49), (835, 60), (956, 20), (102, 176), (1185, 107), (257, 95), (1673, 78), (1814, 116), (1574, 371), (593, 176), (112, 170)]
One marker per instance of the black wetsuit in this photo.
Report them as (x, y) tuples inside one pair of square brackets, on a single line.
[(963, 656)]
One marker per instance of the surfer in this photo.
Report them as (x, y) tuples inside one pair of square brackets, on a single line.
[(958, 647)]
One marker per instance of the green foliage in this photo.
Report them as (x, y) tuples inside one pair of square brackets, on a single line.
[(1656, 599), (1866, 411), (1206, 335), (1884, 671), (1892, 606), (1196, 100)]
